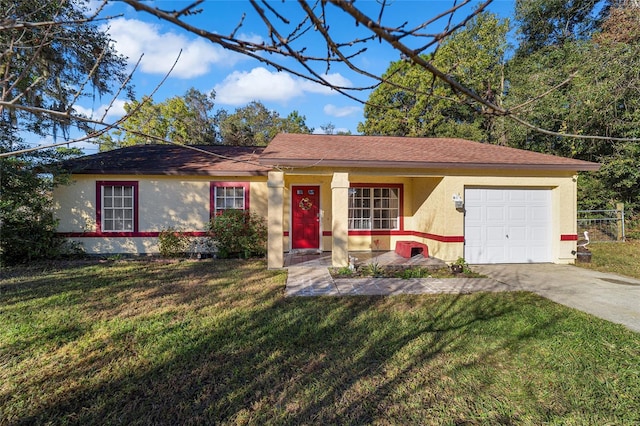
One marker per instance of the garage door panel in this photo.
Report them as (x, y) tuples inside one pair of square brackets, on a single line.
[(540, 213), (517, 214), (536, 233), (517, 253), (541, 196), (495, 233), (495, 254), (507, 225), (518, 233), (516, 195), (473, 215), (495, 213), (494, 197)]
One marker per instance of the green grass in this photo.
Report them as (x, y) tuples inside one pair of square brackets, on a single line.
[(215, 342), (620, 258)]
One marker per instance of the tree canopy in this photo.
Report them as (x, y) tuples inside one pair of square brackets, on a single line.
[(410, 102), (51, 55), (187, 120), (254, 124)]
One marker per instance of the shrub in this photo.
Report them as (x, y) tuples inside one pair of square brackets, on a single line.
[(172, 243), (28, 238), (239, 233)]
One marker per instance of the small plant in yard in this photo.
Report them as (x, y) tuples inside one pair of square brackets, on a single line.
[(239, 233), (373, 269), (172, 243), (460, 266), (414, 273), (345, 271)]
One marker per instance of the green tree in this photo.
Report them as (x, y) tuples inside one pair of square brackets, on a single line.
[(27, 223), (543, 23), (412, 103), (585, 87), (52, 55), (49, 52), (256, 125), (184, 119)]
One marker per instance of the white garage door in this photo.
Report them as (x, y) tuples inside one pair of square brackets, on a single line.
[(507, 225)]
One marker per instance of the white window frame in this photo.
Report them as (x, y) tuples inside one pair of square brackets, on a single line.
[(374, 208), (118, 204), (229, 196)]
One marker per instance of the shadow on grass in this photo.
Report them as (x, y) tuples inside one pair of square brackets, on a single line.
[(207, 342)]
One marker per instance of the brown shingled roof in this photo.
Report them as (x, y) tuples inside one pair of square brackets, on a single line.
[(394, 152), (172, 160)]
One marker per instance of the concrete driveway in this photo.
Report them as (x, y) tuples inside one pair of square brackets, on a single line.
[(615, 298)]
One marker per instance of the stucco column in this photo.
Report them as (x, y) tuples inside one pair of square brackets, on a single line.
[(340, 219), (275, 206)]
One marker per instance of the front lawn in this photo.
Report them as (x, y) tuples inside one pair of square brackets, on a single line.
[(215, 342), (618, 257)]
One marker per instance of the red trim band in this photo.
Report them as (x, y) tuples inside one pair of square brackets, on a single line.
[(154, 234), (569, 237)]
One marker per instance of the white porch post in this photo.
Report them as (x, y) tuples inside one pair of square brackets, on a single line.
[(275, 208), (340, 219)]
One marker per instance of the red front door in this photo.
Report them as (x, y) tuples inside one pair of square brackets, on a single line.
[(305, 213)]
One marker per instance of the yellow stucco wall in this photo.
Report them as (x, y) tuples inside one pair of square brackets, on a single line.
[(164, 201), (439, 214), (183, 203), (428, 207)]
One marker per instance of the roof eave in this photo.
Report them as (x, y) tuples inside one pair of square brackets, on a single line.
[(169, 172), (286, 162)]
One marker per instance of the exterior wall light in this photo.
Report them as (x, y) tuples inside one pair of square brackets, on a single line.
[(457, 200)]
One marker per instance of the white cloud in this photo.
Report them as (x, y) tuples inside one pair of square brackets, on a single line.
[(241, 87), (116, 111), (335, 111), (134, 38), (334, 79), (261, 84)]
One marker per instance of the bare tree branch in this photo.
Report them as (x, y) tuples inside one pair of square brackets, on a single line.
[(305, 47)]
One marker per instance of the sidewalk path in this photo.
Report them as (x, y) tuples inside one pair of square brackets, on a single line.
[(316, 281)]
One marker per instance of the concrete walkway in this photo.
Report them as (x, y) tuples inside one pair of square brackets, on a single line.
[(305, 281), (608, 296)]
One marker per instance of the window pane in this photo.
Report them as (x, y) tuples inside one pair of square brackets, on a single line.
[(229, 197), (117, 208), (381, 204)]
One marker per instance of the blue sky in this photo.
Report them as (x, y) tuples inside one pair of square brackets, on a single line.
[(238, 80)]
